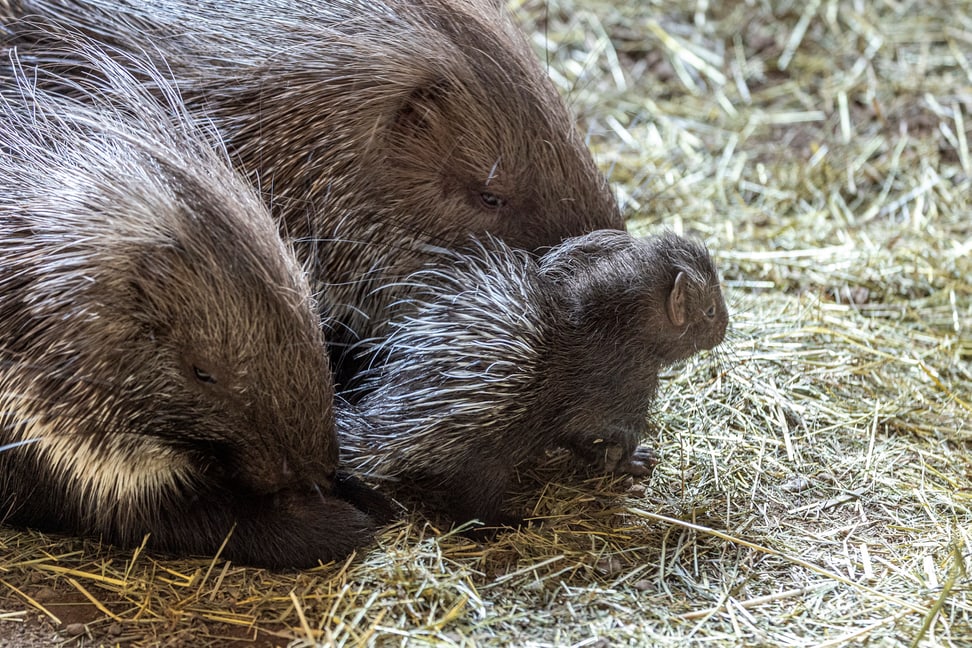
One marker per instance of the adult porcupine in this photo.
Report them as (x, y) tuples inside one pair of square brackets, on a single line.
[(158, 341), (504, 357), (373, 127)]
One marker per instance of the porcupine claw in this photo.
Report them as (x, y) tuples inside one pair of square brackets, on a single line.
[(641, 464), (613, 459)]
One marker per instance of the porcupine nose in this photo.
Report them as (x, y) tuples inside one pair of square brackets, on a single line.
[(282, 469)]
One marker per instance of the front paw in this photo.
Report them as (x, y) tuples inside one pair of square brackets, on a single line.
[(378, 505), (640, 464), (619, 458)]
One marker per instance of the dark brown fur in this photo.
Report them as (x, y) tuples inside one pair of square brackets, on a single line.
[(505, 357), (375, 128), (159, 346)]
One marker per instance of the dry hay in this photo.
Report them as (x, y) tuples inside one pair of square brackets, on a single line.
[(817, 474)]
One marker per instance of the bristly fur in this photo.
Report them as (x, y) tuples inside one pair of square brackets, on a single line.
[(373, 128), (504, 356), (158, 341)]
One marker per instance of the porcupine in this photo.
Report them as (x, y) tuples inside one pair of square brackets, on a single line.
[(374, 128), (159, 345), (504, 356)]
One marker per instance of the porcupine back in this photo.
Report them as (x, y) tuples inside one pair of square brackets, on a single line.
[(374, 128)]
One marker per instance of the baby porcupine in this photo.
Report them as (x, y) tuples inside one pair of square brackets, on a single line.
[(503, 357)]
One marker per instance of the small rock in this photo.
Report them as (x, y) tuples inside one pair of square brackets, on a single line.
[(45, 594), (74, 629)]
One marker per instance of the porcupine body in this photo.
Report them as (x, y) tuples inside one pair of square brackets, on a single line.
[(160, 350), (503, 357)]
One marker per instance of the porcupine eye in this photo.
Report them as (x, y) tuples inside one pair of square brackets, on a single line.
[(490, 200), (203, 376)]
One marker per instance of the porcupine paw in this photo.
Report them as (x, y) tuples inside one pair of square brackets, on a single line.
[(611, 457), (298, 528), (378, 505), (640, 464), (480, 495)]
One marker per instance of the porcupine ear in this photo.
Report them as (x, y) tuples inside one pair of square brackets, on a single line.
[(676, 301), (417, 113), (154, 275)]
